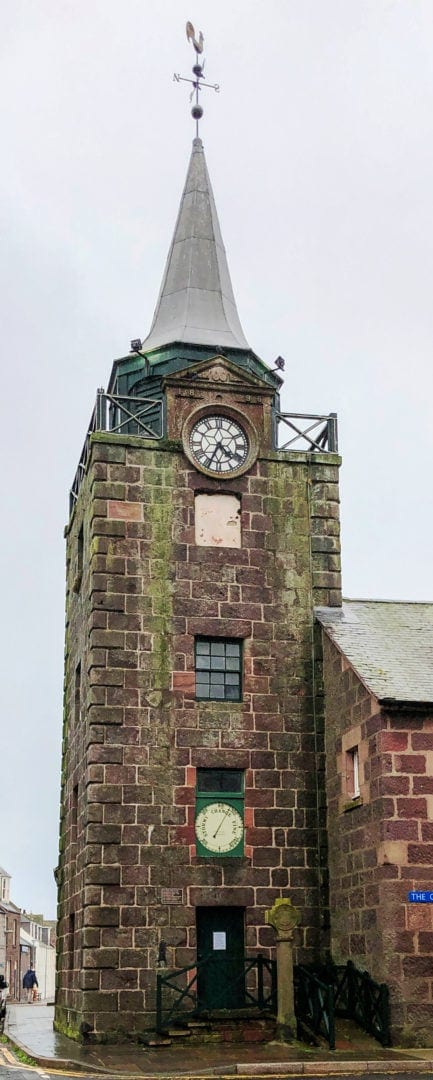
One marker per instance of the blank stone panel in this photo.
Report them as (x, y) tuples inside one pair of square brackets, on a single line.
[(218, 521)]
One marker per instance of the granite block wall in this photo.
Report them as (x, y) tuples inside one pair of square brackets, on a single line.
[(381, 844), (134, 733)]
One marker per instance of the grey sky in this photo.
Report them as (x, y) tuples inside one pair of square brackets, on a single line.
[(320, 152)]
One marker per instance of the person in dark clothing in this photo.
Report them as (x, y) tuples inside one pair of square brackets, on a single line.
[(3, 987), (29, 983)]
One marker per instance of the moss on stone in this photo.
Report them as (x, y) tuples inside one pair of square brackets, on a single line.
[(159, 513)]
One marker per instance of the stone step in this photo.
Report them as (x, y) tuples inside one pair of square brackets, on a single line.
[(219, 1029), (156, 1040)]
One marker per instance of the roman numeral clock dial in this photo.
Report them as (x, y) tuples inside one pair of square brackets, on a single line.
[(218, 445)]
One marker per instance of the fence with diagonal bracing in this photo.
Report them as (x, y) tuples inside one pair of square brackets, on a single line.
[(324, 992), (178, 998)]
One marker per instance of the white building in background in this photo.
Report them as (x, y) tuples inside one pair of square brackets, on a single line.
[(36, 939), (25, 940), (2, 943), (4, 896)]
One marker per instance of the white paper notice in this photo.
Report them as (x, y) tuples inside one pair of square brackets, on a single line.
[(219, 939)]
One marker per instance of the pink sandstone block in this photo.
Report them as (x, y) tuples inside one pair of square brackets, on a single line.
[(125, 511)]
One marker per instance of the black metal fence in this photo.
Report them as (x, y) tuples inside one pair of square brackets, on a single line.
[(307, 432), (177, 998), (121, 415), (314, 1004), (323, 992), (360, 998)]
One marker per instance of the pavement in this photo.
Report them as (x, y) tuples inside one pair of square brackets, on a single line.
[(30, 1028)]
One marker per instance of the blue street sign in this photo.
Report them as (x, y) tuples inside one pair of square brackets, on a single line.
[(422, 897)]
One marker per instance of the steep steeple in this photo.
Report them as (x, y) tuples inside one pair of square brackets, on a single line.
[(196, 304)]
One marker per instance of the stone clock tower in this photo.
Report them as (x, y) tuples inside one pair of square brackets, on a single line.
[(192, 749)]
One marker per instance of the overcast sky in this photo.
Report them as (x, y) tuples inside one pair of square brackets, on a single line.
[(320, 152)]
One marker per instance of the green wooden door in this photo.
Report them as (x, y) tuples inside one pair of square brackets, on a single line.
[(220, 948)]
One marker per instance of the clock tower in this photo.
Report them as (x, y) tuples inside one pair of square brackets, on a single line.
[(198, 542)]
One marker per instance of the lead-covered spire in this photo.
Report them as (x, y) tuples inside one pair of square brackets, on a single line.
[(196, 304)]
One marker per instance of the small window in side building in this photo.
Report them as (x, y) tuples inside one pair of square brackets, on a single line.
[(218, 669), (352, 773), (217, 520)]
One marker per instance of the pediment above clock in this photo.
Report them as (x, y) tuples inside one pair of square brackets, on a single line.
[(218, 371)]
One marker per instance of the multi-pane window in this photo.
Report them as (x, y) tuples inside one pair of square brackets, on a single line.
[(218, 669)]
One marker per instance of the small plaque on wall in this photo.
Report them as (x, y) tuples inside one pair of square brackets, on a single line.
[(171, 896)]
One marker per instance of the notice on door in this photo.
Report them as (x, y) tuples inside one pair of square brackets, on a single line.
[(219, 939)]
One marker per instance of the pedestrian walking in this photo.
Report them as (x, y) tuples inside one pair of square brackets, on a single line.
[(30, 983)]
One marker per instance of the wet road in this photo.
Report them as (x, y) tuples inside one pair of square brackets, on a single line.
[(12, 1069)]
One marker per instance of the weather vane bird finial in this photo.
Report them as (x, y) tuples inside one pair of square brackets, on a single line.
[(198, 68), (190, 33)]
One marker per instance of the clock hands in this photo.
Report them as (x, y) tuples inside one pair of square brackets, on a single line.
[(207, 460), (213, 454), (226, 450)]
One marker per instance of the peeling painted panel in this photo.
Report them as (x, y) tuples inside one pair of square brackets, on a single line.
[(218, 521)]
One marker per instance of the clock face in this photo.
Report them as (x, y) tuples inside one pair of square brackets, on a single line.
[(219, 444), (219, 827)]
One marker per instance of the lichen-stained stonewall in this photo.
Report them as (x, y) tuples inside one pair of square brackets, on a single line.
[(138, 739)]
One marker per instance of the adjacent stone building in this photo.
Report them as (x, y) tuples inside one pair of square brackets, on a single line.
[(9, 937), (378, 680), (199, 542)]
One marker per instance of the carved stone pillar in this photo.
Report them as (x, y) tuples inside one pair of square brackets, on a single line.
[(284, 917)]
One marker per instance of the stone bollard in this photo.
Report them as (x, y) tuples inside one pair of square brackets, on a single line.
[(283, 916)]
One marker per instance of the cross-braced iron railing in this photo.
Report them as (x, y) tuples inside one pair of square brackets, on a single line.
[(360, 998), (314, 1004), (325, 991), (307, 432), (122, 415), (177, 997)]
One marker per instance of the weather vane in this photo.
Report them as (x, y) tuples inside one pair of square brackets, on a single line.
[(197, 81)]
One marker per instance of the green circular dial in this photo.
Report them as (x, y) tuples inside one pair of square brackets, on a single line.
[(219, 827), (219, 444)]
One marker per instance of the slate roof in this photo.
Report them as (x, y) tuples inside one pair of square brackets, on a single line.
[(196, 304), (388, 643)]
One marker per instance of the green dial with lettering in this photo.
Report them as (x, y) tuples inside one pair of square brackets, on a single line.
[(219, 828)]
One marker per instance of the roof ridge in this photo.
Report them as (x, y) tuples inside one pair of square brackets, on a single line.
[(379, 600)]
